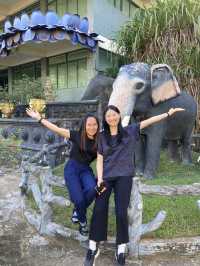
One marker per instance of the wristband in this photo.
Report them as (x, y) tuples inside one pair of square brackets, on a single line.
[(40, 120), (168, 114)]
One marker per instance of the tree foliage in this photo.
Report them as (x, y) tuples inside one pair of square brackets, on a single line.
[(169, 32)]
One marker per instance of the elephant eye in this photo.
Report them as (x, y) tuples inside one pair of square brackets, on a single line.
[(139, 86), (158, 74)]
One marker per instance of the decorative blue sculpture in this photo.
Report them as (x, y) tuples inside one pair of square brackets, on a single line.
[(49, 27), (17, 26), (59, 35), (74, 21), (7, 27), (51, 20), (43, 35), (25, 21), (9, 42), (37, 20), (74, 38), (65, 21), (28, 35), (84, 25)]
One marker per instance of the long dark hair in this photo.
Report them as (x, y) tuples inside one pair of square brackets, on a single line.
[(106, 127), (83, 132)]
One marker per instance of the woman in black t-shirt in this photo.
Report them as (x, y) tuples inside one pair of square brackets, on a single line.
[(78, 174)]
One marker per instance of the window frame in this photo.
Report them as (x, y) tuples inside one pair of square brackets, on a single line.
[(76, 2), (79, 55), (19, 70)]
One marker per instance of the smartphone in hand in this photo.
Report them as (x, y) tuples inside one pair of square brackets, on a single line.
[(100, 189)]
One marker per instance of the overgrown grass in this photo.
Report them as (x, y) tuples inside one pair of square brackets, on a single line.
[(9, 152), (176, 173), (183, 216)]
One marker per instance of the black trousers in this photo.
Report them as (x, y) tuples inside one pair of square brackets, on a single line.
[(99, 222)]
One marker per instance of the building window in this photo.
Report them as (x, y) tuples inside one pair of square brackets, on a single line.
[(33, 70), (125, 6), (69, 71), (68, 6)]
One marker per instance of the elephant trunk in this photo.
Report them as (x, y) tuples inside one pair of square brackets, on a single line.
[(123, 96)]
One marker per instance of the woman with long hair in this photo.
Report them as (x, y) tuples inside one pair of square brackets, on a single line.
[(115, 169), (79, 177)]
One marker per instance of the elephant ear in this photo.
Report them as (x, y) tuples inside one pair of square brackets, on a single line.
[(163, 83)]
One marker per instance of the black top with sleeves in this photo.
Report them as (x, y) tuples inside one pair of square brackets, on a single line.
[(86, 156)]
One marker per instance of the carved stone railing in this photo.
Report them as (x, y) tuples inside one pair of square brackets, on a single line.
[(32, 136), (196, 142), (37, 177), (137, 229)]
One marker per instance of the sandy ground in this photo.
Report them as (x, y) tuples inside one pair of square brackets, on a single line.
[(19, 241)]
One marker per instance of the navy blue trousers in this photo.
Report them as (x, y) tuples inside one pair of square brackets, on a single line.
[(81, 182), (99, 222)]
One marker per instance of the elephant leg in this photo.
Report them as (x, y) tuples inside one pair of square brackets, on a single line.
[(186, 153), (140, 156), (153, 147), (173, 151)]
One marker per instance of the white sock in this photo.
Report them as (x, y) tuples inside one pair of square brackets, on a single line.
[(92, 245), (83, 224), (121, 248)]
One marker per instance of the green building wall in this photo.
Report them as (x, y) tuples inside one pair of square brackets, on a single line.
[(110, 15)]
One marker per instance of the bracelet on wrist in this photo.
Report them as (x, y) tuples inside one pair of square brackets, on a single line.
[(168, 114), (40, 120)]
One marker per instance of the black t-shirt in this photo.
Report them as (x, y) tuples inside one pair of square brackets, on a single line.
[(88, 154)]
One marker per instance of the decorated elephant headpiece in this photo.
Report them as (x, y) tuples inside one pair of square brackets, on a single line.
[(163, 83)]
